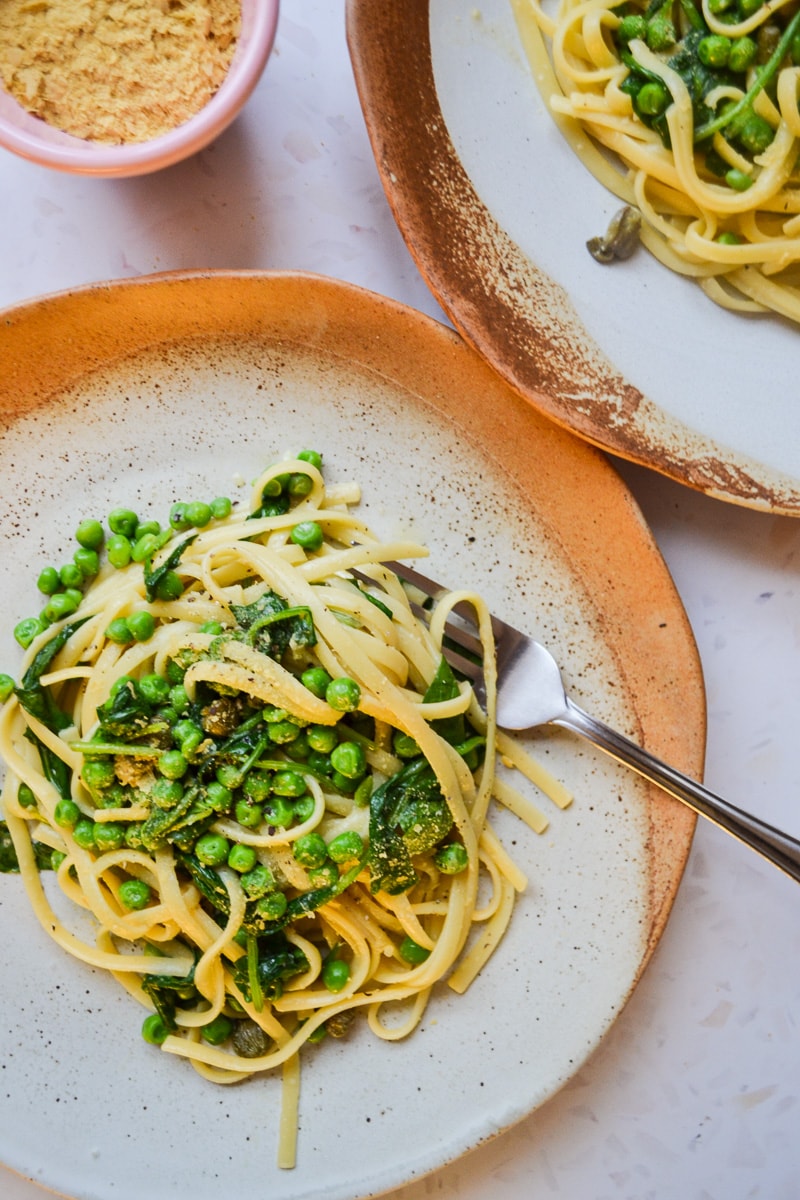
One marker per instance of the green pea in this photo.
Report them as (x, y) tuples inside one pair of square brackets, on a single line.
[(257, 787), (714, 50), (172, 764), (219, 796), (273, 487), (87, 561), (60, 605), (273, 906), (257, 882), (298, 748), (25, 796), (49, 581), (299, 485), (323, 877), (748, 7), (451, 859), (346, 847), (119, 631), (198, 513), (179, 697), (109, 835), (336, 974), (247, 814), (144, 547), (742, 54), (66, 814), (740, 181), (83, 833), (153, 688), (90, 534), (660, 33), (56, 859), (307, 534), (142, 625), (343, 694), (154, 1031), (316, 679), (311, 456), (343, 783), (279, 812), (148, 529), (212, 849), (169, 586), (175, 671), (320, 764), (283, 731), (288, 783), (729, 238), (652, 99), (178, 519), (242, 858), (7, 686), (310, 850), (273, 715), (221, 507), (118, 550), (304, 807), (632, 26), (134, 894), (124, 521), (349, 760), (322, 737), (755, 134), (229, 775), (166, 793), (98, 773), (404, 746), (212, 627), (411, 952), (25, 631), (217, 1031), (188, 737), (70, 575)]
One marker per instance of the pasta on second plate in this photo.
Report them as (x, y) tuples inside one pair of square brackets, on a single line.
[(688, 111)]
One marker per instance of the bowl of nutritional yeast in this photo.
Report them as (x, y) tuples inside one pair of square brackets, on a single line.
[(126, 87)]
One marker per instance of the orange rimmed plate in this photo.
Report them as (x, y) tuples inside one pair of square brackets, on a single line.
[(143, 392)]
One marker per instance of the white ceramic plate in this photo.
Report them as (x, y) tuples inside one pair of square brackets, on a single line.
[(497, 209), (177, 387)]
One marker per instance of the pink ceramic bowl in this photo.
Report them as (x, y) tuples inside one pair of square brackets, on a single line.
[(34, 139)]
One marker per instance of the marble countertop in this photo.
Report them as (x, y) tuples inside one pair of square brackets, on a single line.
[(694, 1093)]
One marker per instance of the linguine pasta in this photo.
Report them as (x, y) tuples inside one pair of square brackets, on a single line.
[(689, 113), (259, 776)]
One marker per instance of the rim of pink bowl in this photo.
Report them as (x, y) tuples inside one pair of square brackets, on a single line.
[(34, 139)]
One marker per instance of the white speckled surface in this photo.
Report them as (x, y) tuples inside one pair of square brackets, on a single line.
[(694, 1094)]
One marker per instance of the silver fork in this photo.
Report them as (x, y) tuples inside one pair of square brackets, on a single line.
[(530, 692)]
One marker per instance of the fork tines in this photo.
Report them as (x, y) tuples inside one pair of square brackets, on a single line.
[(461, 647)]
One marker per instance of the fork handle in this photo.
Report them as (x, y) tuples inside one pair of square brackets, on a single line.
[(771, 843)]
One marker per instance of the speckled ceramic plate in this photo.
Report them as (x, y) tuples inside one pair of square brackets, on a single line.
[(145, 391), (496, 209)]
